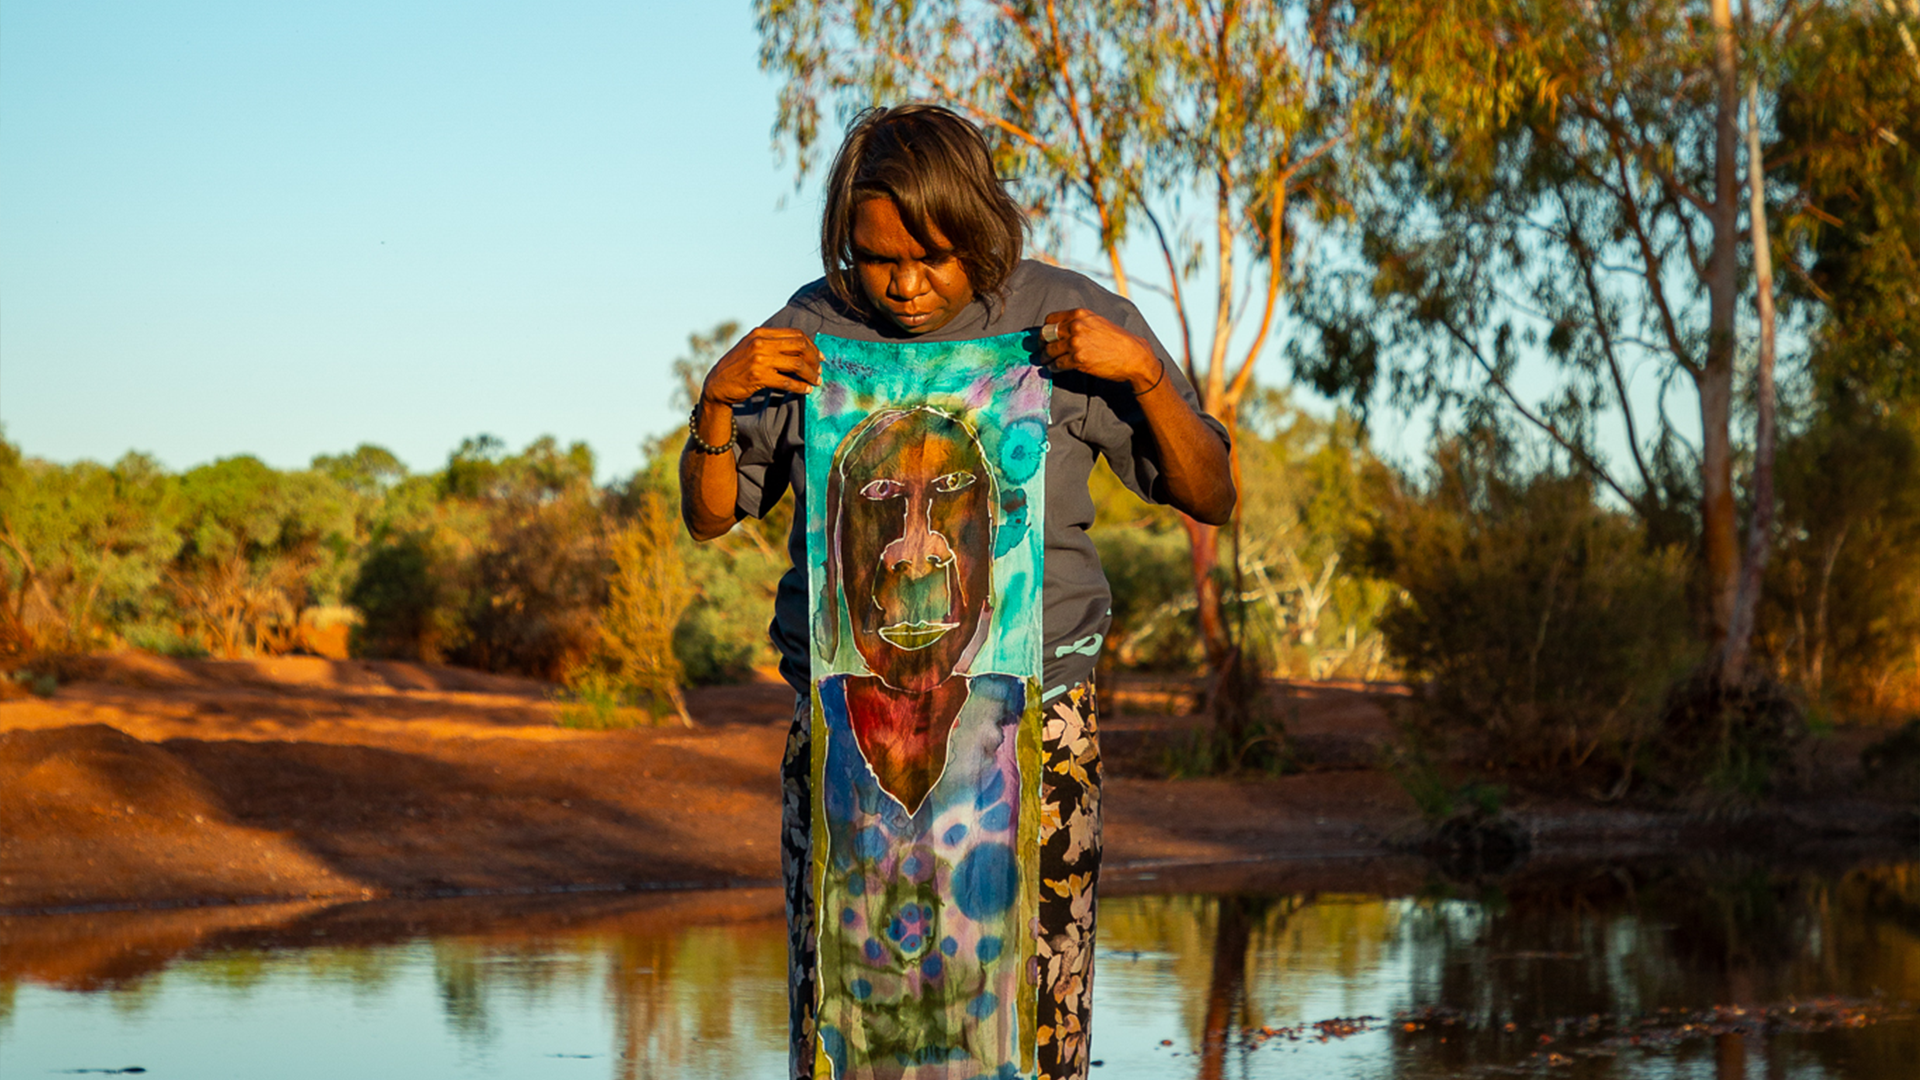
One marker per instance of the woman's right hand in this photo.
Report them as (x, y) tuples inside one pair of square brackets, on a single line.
[(768, 358)]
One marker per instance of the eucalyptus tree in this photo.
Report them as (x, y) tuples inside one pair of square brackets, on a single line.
[(1561, 184), (1188, 140)]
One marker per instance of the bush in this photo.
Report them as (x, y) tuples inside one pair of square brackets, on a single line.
[(165, 639), (1307, 486), (646, 597), (1892, 765), (595, 700), (404, 592), (1150, 572), (721, 636), (1841, 616), (714, 648), (1545, 628), (80, 545)]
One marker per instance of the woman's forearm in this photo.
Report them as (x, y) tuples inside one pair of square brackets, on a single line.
[(1195, 465), (709, 483)]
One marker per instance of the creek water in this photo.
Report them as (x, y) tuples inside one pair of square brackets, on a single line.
[(1723, 968)]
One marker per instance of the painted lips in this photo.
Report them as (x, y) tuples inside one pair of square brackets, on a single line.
[(913, 636)]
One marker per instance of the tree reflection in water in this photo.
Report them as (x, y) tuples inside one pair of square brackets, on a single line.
[(1234, 920), (1718, 968), (698, 1003), (1691, 969)]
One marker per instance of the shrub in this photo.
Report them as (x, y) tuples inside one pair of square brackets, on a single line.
[(407, 595), (1545, 628), (595, 700), (539, 559), (649, 591), (1150, 572), (537, 589), (79, 545), (1306, 488), (1842, 611), (1892, 765), (165, 639), (722, 634), (260, 545)]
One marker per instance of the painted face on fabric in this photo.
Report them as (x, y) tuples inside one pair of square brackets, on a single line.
[(916, 543), (917, 289)]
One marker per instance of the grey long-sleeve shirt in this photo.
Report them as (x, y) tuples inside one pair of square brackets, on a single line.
[(1089, 417)]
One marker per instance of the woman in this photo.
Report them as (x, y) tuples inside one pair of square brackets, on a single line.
[(920, 242)]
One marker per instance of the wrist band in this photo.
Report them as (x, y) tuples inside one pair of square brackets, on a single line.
[(1156, 382), (702, 445)]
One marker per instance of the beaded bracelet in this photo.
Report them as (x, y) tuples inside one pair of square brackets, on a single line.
[(705, 447)]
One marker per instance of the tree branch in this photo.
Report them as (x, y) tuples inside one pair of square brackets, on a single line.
[(1651, 268), (1583, 255), (1580, 455)]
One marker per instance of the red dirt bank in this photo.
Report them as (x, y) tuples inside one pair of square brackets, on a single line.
[(165, 782)]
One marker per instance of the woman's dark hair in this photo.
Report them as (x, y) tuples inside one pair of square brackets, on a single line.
[(935, 167)]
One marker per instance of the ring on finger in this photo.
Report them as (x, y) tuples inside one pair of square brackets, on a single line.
[(1051, 332)]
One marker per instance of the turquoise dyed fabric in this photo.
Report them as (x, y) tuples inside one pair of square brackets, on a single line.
[(926, 482)]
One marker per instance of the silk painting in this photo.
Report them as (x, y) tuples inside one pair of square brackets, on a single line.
[(926, 473)]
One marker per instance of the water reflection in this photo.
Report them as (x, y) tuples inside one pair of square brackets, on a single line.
[(1676, 971), (1715, 969)]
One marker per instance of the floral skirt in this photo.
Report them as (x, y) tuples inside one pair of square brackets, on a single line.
[(1069, 873)]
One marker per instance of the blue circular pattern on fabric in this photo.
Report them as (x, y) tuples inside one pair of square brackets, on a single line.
[(949, 946), (847, 916), (932, 966), (910, 866), (983, 1006), (985, 882), (988, 949), (861, 989), (873, 951), (1023, 446), (870, 843), (955, 835), (997, 819), (856, 885)]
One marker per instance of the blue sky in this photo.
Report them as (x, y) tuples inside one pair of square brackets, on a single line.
[(285, 229)]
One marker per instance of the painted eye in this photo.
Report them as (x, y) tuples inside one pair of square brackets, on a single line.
[(953, 481), (878, 490)]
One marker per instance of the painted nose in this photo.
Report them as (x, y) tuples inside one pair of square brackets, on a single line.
[(919, 550)]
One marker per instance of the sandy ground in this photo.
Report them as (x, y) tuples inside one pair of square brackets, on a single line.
[(183, 782)]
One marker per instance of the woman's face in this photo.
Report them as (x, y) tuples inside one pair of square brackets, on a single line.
[(917, 289)]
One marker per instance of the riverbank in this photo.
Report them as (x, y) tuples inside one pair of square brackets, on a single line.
[(158, 783)]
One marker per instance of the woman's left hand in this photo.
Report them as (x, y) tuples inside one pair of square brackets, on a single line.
[(1195, 467), (1079, 340)]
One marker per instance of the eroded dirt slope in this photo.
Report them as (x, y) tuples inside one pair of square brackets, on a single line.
[(167, 781)]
